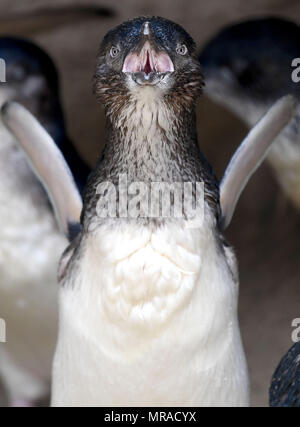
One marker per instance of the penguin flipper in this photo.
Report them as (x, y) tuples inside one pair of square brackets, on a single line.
[(47, 163), (251, 153)]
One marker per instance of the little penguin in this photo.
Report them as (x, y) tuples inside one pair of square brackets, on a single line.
[(148, 298), (285, 386), (30, 241), (247, 66)]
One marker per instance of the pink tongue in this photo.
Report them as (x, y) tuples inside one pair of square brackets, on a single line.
[(147, 68)]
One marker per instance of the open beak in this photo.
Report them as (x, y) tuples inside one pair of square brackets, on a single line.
[(147, 61), (147, 57)]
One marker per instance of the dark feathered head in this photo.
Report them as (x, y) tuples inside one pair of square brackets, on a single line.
[(147, 52)]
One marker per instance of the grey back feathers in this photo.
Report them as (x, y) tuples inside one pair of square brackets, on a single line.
[(251, 154), (47, 163)]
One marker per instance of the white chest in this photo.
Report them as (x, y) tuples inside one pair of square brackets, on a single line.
[(28, 231), (149, 318), (30, 247)]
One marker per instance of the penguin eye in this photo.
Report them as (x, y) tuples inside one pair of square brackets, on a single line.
[(181, 49), (114, 51)]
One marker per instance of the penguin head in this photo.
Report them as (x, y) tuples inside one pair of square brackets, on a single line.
[(149, 54), (248, 66), (31, 79)]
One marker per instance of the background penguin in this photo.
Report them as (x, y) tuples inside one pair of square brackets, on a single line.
[(32, 80), (285, 386), (247, 66), (148, 306), (30, 242)]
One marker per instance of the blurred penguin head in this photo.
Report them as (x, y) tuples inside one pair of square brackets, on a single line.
[(31, 79), (248, 66)]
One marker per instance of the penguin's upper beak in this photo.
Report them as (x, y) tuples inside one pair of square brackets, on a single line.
[(147, 57)]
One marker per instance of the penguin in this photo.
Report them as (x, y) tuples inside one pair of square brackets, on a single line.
[(31, 78), (148, 302), (30, 241), (247, 66), (285, 385)]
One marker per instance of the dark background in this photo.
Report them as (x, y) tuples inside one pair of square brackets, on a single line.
[(266, 228)]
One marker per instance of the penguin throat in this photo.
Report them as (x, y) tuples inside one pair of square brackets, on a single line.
[(150, 140), (152, 136)]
